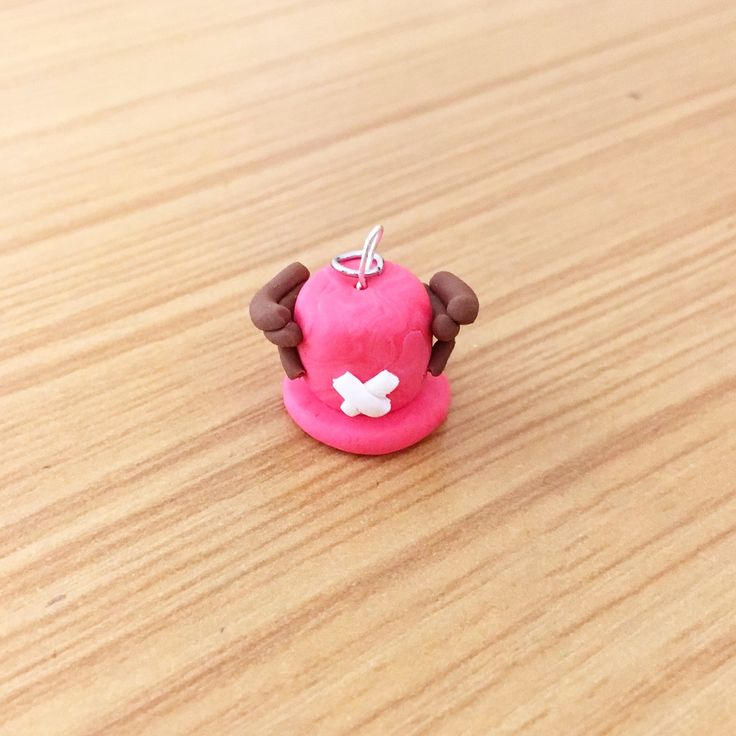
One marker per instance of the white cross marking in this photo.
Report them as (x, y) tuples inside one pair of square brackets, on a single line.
[(367, 398)]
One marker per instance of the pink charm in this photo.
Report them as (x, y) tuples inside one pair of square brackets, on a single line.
[(358, 350)]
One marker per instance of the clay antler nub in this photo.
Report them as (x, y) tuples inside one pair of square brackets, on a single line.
[(266, 309), (272, 310), (454, 303), (459, 299)]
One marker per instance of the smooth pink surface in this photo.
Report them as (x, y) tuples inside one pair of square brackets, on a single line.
[(383, 327), (365, 435)]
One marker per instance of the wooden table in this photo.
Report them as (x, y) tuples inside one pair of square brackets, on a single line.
[(176, 557)]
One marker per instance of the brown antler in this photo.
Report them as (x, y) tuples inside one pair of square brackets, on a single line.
[(454, 303), (272, 310)]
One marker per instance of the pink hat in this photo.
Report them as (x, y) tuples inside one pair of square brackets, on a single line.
[(366, 346)]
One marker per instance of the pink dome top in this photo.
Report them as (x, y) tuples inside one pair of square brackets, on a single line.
[(383, 327)]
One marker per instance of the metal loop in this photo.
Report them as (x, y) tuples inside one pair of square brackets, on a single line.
[(371, 263)]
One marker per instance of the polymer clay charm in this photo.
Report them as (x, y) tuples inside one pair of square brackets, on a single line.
[(355, 341)]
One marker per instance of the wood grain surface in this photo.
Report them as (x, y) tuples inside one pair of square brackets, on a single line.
[(176, 557)]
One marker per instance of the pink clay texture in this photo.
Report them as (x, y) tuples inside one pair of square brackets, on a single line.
[(385, 326)]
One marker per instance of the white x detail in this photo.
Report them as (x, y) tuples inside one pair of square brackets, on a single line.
[(367, 398)]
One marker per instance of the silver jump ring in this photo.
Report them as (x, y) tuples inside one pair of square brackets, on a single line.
[(371, 263)]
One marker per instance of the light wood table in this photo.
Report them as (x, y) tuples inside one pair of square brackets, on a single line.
[(176, 557)]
